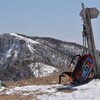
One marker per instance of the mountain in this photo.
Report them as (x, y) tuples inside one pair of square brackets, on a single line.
[(30, 57)]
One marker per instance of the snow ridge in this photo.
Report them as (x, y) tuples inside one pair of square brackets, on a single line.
[(24, 38)]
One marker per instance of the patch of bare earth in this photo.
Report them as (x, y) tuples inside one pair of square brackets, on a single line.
[(48, 80), (16, 97)]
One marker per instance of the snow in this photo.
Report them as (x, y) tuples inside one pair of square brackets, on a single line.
[(16, 54), (24, 38), (44, 71), (90, 91), (13, 49), (41, 70), (1, 88), (9, 53), (30, 48)]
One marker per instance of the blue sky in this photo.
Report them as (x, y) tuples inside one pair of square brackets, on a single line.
[(47, 18)]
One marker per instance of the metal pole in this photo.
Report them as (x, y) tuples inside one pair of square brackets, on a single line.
[(85, 23), (91, 39), (89, 36)]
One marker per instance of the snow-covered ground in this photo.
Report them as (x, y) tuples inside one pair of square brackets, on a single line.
[(90, 91)]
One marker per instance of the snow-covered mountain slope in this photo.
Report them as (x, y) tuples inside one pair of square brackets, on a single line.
[(23, 56), (90, 91)]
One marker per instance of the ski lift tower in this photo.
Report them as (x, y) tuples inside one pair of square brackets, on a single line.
[(87, 14)]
